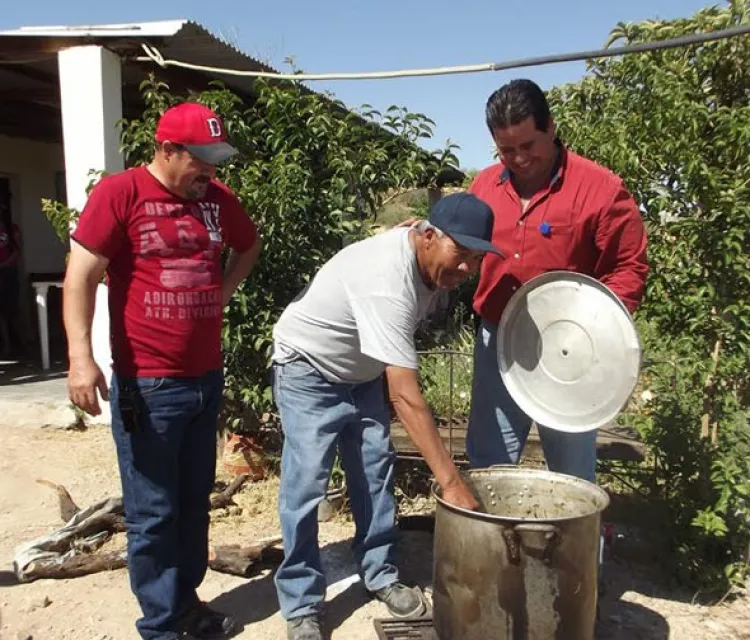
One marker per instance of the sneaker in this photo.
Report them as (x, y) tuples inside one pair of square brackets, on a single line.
[(203, 623), (304, 628), (402, 601)]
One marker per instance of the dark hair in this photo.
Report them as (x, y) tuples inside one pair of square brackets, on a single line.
[(514, 102)]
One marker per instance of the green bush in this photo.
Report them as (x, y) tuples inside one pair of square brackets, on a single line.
[(446, 386), (675, 124)]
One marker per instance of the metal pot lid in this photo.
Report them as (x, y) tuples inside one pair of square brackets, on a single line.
[(568, 351)]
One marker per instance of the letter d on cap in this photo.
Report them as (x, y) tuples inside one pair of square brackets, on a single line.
[(214, 127)]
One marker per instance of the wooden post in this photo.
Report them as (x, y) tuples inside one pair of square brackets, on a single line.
[(708, 392)]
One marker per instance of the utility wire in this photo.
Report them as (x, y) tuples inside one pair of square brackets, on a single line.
[(154, 55)]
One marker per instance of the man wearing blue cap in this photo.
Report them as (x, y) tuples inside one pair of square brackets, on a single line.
[(347, 333)]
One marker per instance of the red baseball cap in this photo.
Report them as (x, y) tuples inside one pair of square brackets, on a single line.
[(198, 129)]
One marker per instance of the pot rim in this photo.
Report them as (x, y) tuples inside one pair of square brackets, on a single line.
[(510, 469)]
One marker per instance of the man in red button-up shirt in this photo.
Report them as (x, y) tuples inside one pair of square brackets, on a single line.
[(553, 210)]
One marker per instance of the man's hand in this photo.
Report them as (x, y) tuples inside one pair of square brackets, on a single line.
[(84, 272), (459, 495), (84, 379)]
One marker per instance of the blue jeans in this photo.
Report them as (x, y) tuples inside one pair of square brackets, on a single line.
[(316, 415), (167, 469), (498, 428)]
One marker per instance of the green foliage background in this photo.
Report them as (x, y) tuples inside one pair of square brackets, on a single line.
[(675, 125)]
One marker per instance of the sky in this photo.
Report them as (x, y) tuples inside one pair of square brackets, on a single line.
[(382, 35)]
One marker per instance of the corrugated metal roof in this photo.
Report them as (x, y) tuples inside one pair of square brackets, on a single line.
[(160, 28), (195, 44), (182, 40)]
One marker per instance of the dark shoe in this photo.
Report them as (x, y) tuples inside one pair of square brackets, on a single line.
[(304, 628), (203, 623), (402, 601)]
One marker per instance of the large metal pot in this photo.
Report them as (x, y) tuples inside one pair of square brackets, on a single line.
[(524, 569)]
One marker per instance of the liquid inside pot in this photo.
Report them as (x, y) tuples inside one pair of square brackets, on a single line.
[(533, 495)]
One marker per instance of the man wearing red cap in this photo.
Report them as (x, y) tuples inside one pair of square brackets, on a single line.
[(157, 232)]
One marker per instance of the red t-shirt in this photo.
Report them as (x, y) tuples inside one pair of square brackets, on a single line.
[(584, 221), (164, 273)]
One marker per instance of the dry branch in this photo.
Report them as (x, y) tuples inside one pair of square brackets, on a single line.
[(224, 498), (68, 508), (55, 556), (76, 566), (232, 559), (708, 393)]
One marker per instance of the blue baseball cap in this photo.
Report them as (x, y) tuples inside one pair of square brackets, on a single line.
[(467, 220)]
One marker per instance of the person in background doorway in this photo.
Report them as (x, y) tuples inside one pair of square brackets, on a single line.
[(158, 232), (553, 210), (10, 255)]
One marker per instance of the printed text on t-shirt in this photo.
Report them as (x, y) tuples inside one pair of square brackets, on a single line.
[(185, 250)]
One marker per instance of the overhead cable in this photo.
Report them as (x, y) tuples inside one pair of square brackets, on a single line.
[(154, 55)]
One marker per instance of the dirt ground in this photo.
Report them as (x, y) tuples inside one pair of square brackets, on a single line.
[(101, 606)]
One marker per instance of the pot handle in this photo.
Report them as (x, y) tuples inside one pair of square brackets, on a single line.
[(537, 539)]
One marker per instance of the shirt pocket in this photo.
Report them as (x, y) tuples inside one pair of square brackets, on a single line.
[(556, 246)]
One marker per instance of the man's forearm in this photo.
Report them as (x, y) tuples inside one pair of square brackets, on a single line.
[(420, 427), (238, 267), (79, 300)]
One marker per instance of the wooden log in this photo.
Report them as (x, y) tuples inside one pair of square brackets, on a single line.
[(612, 443), (111, 522), (108, 522), (224, 499), (228, 560), (68, 508), (78, 565), (233, 559), (238, 560)]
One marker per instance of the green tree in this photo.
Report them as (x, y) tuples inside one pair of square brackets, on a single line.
[(675, 124), (311, 174)]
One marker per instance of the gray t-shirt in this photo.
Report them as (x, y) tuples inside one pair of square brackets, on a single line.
[(359, 313)]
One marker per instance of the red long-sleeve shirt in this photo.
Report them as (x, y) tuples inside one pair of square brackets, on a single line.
[(584, 221)]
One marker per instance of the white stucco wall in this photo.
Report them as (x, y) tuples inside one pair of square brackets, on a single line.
[(91, 97), (31, 167)]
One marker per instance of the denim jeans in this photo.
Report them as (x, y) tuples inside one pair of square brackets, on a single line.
[(498, 428), (316, 415), (167, 469)]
